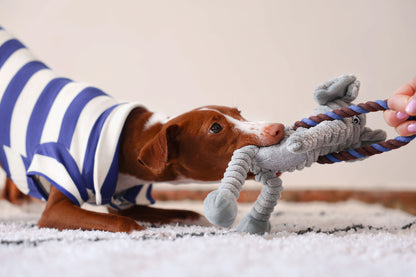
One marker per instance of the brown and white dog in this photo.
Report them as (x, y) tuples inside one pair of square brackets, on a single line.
[(59, 140), (196, 145)]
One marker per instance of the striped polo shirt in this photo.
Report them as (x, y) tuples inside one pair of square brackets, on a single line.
[(54, 131)]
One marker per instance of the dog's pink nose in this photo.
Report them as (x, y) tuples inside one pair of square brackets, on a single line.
[(274, 132)]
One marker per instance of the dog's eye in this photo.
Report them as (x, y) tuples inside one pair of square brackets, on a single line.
[(215, 128)]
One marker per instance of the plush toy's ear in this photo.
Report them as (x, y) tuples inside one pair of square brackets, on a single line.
[(369, 136), (344, 87), (157, 152)]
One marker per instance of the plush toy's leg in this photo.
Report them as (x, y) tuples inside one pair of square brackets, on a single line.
[(257, 221), (221, 205)]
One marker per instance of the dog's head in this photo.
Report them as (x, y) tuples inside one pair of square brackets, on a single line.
[(199, 144)]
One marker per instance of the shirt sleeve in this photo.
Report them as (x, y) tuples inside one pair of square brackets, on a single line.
[(54, 162)]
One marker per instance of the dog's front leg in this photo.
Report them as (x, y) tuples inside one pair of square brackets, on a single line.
[(13, 194), (61, 213), (159, 216)]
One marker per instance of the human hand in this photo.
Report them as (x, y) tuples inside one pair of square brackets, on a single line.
[(402, 104)]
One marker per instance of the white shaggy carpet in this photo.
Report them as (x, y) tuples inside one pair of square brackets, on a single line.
[(307, 239)]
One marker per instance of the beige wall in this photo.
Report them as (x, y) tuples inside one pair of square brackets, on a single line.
[(263, 56)]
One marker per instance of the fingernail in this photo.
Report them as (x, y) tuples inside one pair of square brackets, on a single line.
[(411, 107), (412, 128), (402, 116)]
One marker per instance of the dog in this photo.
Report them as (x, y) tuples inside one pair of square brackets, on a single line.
[(69, 143)]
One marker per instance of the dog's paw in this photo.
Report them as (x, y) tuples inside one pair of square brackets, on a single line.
[(126, 225), (12, 194), (185, 218), (199, 221)]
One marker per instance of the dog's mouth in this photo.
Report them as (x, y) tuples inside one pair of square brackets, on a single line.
[(251, 176)]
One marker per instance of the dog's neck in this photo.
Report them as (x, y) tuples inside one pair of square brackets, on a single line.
[(139, 128)]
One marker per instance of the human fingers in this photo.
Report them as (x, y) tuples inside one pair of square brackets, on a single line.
[(394, 118), (407, 128), (403, 99)]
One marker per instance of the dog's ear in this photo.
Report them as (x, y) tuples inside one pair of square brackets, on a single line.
[(157, 152)]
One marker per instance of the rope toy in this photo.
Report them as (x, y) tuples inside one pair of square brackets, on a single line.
[(335, 133), (362, 152)]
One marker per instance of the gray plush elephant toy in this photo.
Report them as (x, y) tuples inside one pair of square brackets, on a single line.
[(300, 148)]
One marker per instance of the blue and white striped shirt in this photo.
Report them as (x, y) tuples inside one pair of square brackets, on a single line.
[(61, 131)]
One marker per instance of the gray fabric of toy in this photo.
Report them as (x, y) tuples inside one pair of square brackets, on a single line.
[(299, 149)]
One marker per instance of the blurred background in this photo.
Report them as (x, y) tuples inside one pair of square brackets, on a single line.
[(264, 57)]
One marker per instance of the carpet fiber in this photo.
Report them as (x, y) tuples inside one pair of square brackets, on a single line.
[(307, 239)]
